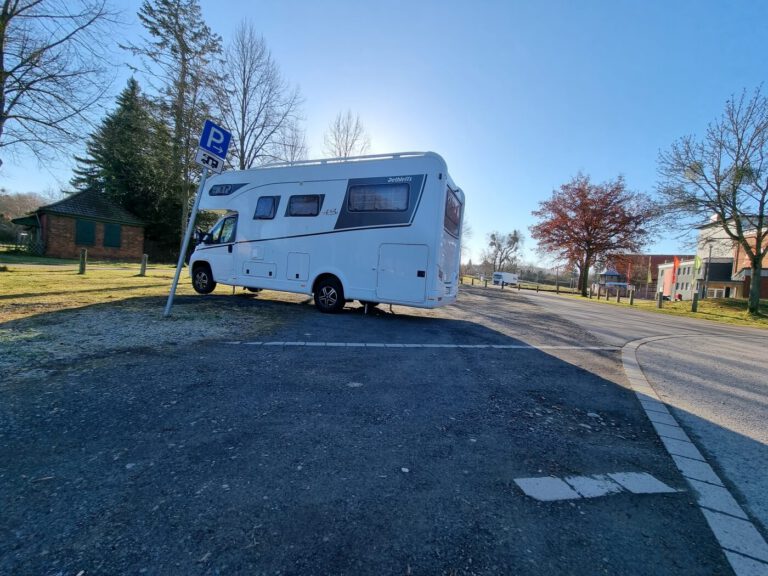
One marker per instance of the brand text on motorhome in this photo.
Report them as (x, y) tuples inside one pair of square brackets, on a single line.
[(375, 229)]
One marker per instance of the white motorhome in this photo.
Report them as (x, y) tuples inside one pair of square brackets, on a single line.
[(378, 229)]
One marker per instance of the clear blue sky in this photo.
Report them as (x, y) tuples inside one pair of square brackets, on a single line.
[(517, 96)]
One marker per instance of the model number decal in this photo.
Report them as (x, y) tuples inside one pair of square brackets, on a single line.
[(399, 179), (330, 212)]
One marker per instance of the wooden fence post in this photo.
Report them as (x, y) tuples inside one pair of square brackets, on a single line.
[(143, 270), (83, 260)]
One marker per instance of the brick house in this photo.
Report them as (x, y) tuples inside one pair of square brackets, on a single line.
[(86, 220), (742, 267)]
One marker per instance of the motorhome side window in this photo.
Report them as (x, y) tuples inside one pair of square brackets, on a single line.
[(306, 205), (452, 222), (378, 198), (266, 207)]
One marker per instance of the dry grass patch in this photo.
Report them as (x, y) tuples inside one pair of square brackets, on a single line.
[(50, 315)]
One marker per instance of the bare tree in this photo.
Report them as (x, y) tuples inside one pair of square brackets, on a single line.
[(53, 71), (255, 103), (503, 249), (346, 136), (292, 144), (725, 175), (466, 234)]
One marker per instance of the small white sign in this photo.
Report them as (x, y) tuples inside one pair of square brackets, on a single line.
[(208, 160)]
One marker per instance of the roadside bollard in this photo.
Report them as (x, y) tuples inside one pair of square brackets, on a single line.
[(659, 299), (502, 285), (518, 286), (143, 270), (473, 281), (486, 283), (695, 303), (631, 297), (618, 296), (83, 260)]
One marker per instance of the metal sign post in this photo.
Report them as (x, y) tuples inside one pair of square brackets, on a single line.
[(185, 244), (214, 142)]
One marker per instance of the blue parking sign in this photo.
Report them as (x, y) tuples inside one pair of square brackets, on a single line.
[(215, 139)]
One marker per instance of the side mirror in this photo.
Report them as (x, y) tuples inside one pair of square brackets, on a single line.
[(202, 237)]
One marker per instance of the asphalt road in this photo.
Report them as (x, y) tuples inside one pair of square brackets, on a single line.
[(713, 376), (344, 444)]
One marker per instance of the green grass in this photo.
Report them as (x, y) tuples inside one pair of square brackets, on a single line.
[(725, 310), (27, 290)]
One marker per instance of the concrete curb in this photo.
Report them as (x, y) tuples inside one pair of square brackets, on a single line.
[(741, 542)]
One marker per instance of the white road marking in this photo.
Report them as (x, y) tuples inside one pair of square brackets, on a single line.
[(398, 345), (594, 486), (550, 488), (640, 483), (547, 489), (743, 545)]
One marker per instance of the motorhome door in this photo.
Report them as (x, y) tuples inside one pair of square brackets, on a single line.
[(219, 247), (402, 272)]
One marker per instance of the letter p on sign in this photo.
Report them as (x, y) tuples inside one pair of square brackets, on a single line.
[(215, 139)]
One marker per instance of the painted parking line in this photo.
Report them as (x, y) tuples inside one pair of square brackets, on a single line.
[(550, 488), (742, 543), (433, 346)]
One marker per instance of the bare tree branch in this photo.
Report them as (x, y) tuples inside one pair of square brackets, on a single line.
[(255, 103), (723, 179), (346, 136), (53, 71)]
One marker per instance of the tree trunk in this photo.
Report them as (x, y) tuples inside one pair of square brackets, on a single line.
[(584, 276), (754, 287)]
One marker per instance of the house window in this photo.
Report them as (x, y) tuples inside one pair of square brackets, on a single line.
[(85, 232), (306, 205), (112, 235), (266, 207)]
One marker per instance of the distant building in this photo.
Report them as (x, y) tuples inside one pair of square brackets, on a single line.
[(85, 220), (719, 269), (742, 269), (642, 270)]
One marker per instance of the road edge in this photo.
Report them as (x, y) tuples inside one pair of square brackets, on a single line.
[(741, 542)]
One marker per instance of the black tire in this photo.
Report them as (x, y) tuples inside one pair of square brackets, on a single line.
[(329, 295), (202, 279)]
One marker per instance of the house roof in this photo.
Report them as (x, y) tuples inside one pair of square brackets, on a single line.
[(93, 205)]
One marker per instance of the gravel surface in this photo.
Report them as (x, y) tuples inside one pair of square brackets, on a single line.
[(187, 453), (37, 345)]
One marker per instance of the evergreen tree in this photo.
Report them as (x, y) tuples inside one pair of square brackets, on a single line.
[(177, 55), (128, 159)]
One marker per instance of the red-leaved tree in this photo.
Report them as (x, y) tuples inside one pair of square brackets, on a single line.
[(584, 222)]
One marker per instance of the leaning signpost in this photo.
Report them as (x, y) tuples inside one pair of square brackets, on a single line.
[(211, 154)]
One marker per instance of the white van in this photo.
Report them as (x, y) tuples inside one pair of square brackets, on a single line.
[(374, 228), (504, 278)]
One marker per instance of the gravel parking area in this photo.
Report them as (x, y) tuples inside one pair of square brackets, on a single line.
[(196, 452)]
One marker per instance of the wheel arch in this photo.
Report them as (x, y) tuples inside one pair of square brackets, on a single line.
[(329, 274)]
